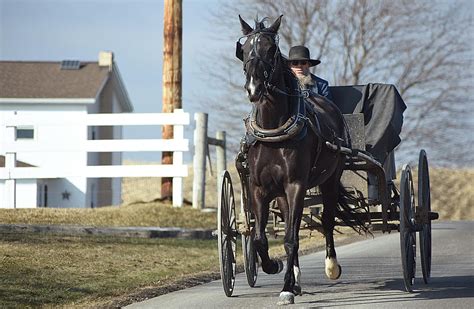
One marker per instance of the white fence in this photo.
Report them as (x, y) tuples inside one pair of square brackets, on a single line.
[(178, 145)]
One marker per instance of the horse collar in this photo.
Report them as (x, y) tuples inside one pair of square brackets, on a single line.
[(291, 129)]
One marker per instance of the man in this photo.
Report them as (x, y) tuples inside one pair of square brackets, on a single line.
[(300, 62)]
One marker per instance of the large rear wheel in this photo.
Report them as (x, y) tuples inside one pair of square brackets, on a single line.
[(407, 228), (227, 233), (424, 208)]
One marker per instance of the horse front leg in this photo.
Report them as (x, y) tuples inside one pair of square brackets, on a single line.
[(329, 192), (295, 197), (283, 206), (261, 211)]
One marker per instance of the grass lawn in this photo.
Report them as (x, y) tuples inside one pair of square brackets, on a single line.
[(48, 270), (43, 270), (90, 272), (38, 270)]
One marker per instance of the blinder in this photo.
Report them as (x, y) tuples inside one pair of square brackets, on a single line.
[(239, 53)]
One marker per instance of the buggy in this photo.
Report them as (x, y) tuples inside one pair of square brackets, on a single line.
[(374, 116)]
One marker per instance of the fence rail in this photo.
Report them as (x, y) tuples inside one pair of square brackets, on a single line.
[(10, 146), (104, 145)]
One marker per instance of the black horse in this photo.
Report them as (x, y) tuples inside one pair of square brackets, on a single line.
[(287, 152)]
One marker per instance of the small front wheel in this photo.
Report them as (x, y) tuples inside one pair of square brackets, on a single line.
[(250, 254), (227, 233)]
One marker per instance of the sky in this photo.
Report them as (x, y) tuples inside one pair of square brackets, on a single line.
[(54, 30)]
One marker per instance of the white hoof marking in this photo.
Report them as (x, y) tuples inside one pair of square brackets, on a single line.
[(333, 270), (286, 298)]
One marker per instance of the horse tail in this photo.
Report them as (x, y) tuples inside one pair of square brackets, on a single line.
[(349, 214)]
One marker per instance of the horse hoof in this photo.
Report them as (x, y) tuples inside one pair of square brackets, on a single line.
[(333, 269), (340, 272), (297, 290), (286, 298)]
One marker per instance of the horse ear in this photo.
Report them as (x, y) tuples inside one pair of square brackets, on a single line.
[(246, 29), (276, 25)]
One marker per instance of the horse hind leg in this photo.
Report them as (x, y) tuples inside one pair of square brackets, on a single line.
[(329, 192)]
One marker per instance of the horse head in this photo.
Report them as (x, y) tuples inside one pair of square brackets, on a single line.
[(260, 55)]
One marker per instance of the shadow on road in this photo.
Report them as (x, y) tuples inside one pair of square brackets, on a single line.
[(390, 291)]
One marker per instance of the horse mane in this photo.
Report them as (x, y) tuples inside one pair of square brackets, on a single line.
[(260, 25)]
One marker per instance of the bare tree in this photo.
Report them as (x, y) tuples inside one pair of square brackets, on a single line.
[(420, 46)]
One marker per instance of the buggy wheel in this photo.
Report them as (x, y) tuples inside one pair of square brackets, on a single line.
[(407, 228), (250, 260), (227, 233), (249, 252), (424, 208)]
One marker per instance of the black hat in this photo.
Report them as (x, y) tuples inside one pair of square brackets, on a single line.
[(301, 53)]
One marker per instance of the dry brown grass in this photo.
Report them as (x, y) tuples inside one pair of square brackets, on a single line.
[(148, 189), (148, 214), (51, 271), (87, 272), (452, 191)]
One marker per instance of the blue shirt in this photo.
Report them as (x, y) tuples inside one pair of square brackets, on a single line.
[(319, 86)]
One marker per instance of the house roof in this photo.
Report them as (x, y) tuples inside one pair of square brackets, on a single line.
[(18, 163), (37, 80), (24, 79)]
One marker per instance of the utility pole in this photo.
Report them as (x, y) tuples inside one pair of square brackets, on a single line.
[(172, 63)]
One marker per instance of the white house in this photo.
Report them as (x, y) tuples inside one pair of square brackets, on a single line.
[(56, 90)]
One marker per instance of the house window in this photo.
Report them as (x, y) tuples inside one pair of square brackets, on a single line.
[(25, 133)]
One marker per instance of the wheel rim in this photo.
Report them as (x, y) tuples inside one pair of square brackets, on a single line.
[(227, 234), (407, 228), (424, 205), (249, 252), (250, 260)]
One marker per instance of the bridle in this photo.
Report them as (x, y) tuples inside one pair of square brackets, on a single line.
[(268, 75)]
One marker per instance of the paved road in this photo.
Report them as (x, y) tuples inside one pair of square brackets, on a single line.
[(371, 278)]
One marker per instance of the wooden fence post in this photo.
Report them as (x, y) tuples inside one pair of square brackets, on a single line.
[(178, 133), (10, 164), (199, 160), (201, 146), (220, 156)]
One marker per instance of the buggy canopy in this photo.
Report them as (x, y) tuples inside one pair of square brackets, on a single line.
[(383, 109)]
